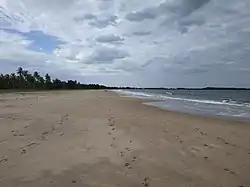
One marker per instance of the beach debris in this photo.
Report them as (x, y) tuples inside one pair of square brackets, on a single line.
[(73, 181), (130, 141), (206, 157), (23, 151), (122, 153), (113, 129), (205, 145), (3, 159), (145, 182), (181, 141), (26, 126)]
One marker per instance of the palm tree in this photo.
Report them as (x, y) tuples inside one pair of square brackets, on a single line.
[(20, 74), (36, 77), (31, 81), (47, 80), (20, 71), (13, 80), (1, 81), (25, 76), (7, 81)]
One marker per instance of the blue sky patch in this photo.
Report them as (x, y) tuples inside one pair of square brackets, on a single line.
[(40, 42)]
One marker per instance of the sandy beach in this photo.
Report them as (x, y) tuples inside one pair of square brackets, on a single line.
[(97, 138)]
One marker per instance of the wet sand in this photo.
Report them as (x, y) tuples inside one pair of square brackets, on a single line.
[(96, 138)]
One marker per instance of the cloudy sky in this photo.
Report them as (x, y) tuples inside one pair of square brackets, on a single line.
[(171, 43)]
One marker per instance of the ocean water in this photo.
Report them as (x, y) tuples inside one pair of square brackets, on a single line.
[(221, 103)]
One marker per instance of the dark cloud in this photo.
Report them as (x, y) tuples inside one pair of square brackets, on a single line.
[(179, 8), (89, 16), (141, 33), (99, 21), (109, 39), (103, 21), (141, 15), (190, 6), (107, 55)]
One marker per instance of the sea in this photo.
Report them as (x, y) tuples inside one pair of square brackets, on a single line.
[(233, 104)]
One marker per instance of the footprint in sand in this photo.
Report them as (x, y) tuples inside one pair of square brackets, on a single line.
[(45, 133), (128, 149), (128, 165), (122, 153), (145, 182), (230, 171), (203, 133), (111, 121), (134, 159), (224, 141), (3, 159)]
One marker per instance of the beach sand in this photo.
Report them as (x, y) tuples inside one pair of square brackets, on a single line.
[(96, 138)]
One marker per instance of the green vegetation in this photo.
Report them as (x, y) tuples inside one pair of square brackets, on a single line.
[(24, 80)]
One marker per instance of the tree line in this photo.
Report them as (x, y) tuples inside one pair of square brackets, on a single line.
[(23, 79)]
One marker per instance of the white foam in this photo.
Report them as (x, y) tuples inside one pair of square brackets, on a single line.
[(164, 97)]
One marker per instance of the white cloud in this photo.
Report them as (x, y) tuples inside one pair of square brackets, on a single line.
[(169, 42)]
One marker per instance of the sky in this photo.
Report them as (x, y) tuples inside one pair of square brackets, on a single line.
[(144, 43)]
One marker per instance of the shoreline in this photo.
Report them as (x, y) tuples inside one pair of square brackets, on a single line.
[(155, 103), (147, 102), (97, 138)]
